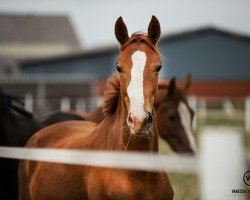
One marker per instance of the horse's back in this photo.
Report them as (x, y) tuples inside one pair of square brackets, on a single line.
[(57, 117), (62, 135)]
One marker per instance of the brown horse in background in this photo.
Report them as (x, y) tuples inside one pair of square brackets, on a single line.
[(129, 125), (174, 116)]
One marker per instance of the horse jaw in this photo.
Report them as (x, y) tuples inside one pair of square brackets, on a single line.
[(187, 124)]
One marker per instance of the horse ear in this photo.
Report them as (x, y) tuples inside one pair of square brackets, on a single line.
[(187, 82), (154, 30), (171, 87), (121, 31)]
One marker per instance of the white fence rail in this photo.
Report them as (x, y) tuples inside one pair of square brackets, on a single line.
[(221, 164), (247, 114), (139, 161), (198, 104)]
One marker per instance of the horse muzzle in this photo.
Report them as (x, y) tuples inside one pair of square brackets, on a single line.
[(140, 125)]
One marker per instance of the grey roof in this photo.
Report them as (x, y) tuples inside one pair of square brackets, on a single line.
[(205, 30), (36, 29)]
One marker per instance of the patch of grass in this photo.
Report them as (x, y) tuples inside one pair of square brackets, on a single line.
[(186, 186), (221, 121), (246, 140), (164, 147)]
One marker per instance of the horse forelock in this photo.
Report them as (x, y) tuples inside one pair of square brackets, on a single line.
[(111, 95), (139, 37)]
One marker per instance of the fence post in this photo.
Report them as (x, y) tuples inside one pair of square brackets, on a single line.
[(202, 107), (99, 101), (228, 107), (222, 163), (65, 104), (28, 102), (192, 102), (247, 114), (41, 94), (81, 105)]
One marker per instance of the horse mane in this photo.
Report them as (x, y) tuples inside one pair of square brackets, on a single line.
[(10, 103), (138, 37), (111, 95)]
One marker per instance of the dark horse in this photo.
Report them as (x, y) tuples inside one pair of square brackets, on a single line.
[(129, 125), (174, 116), (16, 127)]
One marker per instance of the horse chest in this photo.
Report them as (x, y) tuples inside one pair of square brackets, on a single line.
[(116, 185)]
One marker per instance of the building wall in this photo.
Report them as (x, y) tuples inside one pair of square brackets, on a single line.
[(210, 56), (207, 56), (98, 67)]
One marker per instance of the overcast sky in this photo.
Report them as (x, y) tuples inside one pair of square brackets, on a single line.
[(94, 20)]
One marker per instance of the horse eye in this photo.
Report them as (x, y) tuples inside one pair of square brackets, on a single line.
[(172, 118), (119, 69), (158, 68)]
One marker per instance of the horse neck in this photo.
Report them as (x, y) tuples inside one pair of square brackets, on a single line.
[(96, 115), (159, 98), (127, 141)]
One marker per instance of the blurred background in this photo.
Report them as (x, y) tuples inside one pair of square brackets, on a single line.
[(57, 55)]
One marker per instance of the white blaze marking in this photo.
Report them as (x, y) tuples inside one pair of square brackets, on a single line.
[(186, 123), (135, 87)]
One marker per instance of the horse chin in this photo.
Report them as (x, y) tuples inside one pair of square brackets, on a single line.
[(185, 150), (139, 133)]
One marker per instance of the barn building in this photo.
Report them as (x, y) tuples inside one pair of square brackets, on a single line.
[(45, 60), (218, 60), (25, 37)]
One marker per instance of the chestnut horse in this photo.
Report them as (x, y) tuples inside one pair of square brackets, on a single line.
[(129, 125), (174, 116)]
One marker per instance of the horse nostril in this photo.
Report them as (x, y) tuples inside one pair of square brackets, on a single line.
[(149, 119), (130, 118)]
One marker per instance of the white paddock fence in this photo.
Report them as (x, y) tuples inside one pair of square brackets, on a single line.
[(220, 165), (199, 105), (229, 109), (247, 114)]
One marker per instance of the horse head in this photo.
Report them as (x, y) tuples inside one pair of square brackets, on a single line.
[(175, 116), (138, 65)]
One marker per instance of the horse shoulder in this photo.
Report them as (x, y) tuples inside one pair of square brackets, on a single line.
[(119, 184), (69, 135), (165, 188)]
